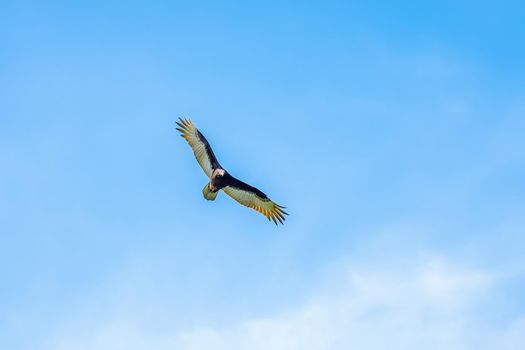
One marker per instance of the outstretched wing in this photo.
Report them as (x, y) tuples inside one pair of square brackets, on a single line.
[(255, 199), (200, 146)]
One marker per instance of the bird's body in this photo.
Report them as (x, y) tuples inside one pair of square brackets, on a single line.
[(220, 179)]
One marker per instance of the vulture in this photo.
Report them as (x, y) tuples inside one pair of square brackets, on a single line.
[(220, 179)]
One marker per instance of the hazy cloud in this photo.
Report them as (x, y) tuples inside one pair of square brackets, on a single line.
[(434, 304)]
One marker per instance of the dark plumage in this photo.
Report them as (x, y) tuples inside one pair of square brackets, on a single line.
[(220, 179)]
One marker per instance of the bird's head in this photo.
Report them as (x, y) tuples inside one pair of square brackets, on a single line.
[(217, 178), (218, 173)]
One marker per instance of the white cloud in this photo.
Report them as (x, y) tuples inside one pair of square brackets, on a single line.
[(435, 304)]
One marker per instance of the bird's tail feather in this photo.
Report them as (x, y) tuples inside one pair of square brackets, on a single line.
[(209, 194)]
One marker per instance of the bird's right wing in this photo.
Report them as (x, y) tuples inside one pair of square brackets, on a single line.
[(253, 198), (200, 146)]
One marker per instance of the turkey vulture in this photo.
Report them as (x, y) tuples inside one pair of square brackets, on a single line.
[(220, 179)]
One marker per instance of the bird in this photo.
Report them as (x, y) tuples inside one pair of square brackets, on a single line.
[(220, 179)]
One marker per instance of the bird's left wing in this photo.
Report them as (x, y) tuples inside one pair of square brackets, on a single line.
[(253, 198), (200, 146)]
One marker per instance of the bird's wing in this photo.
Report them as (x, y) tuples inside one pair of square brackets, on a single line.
[(255, 199), (200, 146)]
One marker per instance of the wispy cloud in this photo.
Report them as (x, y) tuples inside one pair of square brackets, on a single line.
[(433, 304)]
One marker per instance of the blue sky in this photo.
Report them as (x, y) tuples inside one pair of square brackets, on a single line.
[(392, 131)]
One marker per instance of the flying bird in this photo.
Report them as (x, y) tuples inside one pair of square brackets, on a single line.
[(220, 179)]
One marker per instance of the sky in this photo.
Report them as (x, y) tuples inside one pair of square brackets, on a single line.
[(391, 131)]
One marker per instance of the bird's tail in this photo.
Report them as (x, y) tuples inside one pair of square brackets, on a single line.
[(209, 194)]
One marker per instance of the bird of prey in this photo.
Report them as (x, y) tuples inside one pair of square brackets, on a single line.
[(220, 179)]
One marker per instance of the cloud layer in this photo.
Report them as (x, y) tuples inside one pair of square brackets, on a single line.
[(431, 304)]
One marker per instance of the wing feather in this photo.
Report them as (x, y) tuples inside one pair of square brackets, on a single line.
[(200, 146), (264, 205)]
